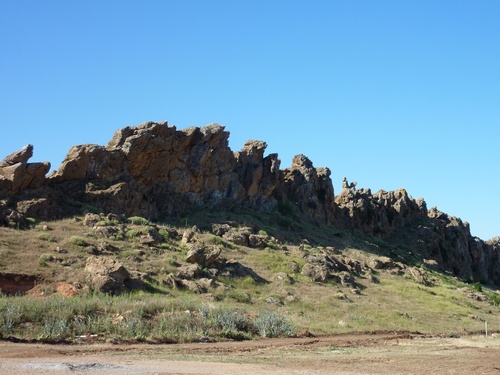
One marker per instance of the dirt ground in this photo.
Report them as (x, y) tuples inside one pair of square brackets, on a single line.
[(343, 354)]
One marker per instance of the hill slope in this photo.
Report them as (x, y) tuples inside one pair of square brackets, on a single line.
[(173, 223)]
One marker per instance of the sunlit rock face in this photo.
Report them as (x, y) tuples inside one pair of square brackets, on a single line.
[(156, 171)]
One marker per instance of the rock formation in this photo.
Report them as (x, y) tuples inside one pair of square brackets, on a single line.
[(17, 175), (156, 171)]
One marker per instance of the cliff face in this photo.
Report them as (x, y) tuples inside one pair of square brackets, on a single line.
[(154, 170)]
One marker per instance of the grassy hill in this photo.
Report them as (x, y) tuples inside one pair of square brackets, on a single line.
[(293, 277)]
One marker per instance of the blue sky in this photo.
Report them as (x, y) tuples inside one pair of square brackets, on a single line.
[(391, 94)]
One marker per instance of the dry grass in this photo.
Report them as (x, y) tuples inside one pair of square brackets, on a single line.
[(57, 250)]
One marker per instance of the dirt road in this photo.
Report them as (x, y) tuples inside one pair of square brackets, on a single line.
[(344, 354)]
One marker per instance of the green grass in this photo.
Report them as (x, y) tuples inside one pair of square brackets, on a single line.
[(130, 317), (242, 308), (78, 241)]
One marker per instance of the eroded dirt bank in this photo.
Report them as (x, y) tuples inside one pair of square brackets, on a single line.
[(344, 354)]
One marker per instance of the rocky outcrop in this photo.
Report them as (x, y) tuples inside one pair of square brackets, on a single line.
[(309, 189), (155, 170), (17, 175), (377, 214), (447, 240)]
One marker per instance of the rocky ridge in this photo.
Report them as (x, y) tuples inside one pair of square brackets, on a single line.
[(157, 171)]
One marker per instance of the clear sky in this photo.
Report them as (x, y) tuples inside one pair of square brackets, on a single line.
[(391, 94)]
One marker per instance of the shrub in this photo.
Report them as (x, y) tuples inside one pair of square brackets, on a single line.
[(494, 298), (137, 220), (47, 237), (270, 324), (477, 287), (79, 241), (239, 296), (55, 329), (44, 258), (232, 324), (131, 233), (164, 233)]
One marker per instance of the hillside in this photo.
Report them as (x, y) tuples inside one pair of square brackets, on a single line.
[(166, 235)]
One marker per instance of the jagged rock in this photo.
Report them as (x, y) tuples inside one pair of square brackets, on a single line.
[(106, 247), (257, 241), (212, 256), (220, 229), (378, 214), (17, 175), (91, 219), (309, 189), (189, 272), (193, 286), (152, 237), (171, 281), (284, 278), (316, 272), (322, 267), (16, 178), (196, 254), (383, 263), (13, 219), (203, 256), (294, 267), (106, 275), (154, 170), (188, 236), (418, 275), (20, 156), (105, 231), (238, 237), (233, 268), (207, 283), (347, 280), (274, 300), (37, 208)]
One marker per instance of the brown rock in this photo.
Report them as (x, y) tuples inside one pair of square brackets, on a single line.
[(20, 156), (91, 219), (189, 272), (192, 286), (106, 275)]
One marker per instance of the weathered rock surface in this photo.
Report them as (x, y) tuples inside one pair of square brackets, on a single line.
[(106, 275), (17, 175), (20, 156), (154, 170)]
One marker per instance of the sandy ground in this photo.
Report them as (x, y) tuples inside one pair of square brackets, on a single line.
[(344, 354)]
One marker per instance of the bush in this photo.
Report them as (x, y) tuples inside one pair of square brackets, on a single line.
[(164, 233), (79, 241), (270, 324), (44, 258), (47, 237), (477, 287), (131, 233), (239, 296), (137, 220), (494, 298), (231, 324)]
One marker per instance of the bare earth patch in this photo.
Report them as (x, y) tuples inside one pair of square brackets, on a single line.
[(343, 354)]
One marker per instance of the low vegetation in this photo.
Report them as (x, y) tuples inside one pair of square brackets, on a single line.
[(131, 317), (403, 295)]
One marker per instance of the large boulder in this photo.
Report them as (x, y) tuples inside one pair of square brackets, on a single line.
[(17, 175), (202, 255), (106, 275), (20, 156)]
